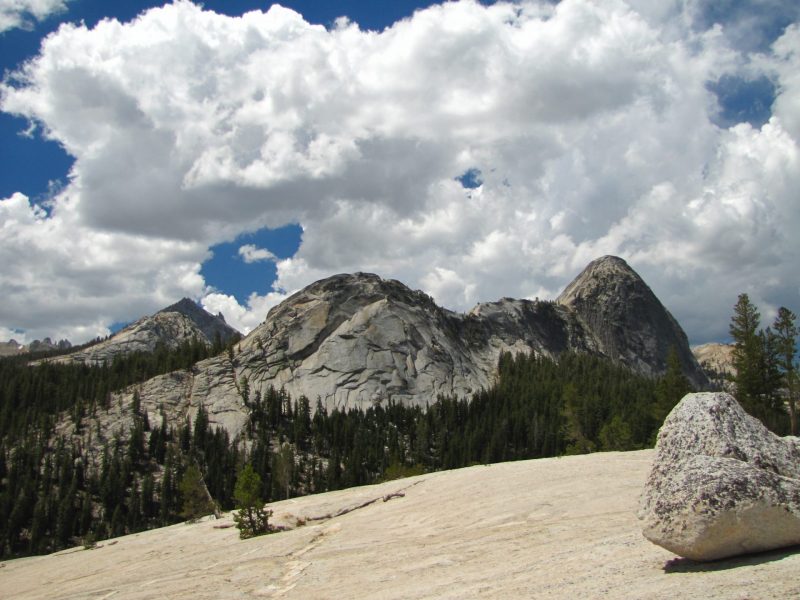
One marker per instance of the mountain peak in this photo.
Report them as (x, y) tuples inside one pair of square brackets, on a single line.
[(179, 322), (607, 272), (211, 325), (627, 319), (185, 306)]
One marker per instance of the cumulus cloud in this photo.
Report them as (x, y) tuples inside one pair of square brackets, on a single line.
[(592, 126), (18, 13), (242, 318), (251, 254), (61, 279)]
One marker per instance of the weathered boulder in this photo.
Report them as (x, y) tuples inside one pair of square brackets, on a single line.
[(721, 483)]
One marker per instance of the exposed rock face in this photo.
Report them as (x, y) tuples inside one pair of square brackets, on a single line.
[(172, 326), (356, 339), (468, 533), (628, 323), (721, 483), (716, 360), (12, 347), (211, 326), (353, 340)]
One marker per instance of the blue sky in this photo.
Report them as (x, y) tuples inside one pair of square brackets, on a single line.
[(472, 150)]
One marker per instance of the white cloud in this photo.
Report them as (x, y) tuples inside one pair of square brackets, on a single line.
[(242, 318), (591, 125), (250, 254), (61, 279), (17, 13)]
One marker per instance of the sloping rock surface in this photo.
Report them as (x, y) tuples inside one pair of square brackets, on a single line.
[(354, 340), (172, 326), (721, 483), (553, 528), (626, 319)]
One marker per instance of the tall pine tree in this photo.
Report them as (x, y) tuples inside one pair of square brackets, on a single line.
[(786, 347)]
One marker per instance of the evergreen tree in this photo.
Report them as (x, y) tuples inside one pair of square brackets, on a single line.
[(148, 504), (747, 351), (167, 492), (252, 518), (616, 435), (671, 388), (136, 404), (786, 347), (194, 495), (283, 469)]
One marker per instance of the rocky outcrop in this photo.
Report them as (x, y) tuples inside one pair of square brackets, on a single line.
[(352, 340), (626, 320), (716, 360), (721, 483), (12, 347), (171, 326), (355, 340), (211, 326), (548, 528)]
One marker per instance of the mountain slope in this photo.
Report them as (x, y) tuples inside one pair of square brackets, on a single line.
[(556, 528), (627, 320), (178, 323), (353, 340)]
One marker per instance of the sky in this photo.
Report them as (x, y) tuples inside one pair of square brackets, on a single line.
[(234, 152)]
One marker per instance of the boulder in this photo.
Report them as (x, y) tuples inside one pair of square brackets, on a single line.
[(721, 484)]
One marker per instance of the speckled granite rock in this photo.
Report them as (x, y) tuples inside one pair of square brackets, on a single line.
[(721, 483)]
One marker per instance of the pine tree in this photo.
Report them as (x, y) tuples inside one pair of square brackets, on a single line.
[(167, 492), (672, 386), (194, 495), (148, 488), (283, 469), (786, 346), (252, 518), (136, 404), (748, 349)]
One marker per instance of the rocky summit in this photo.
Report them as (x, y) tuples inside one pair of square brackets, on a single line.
[(357, 339), (626, 320), (171, 326)]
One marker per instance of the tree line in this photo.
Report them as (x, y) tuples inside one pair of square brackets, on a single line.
[(765, 364), (33, 395), (52, 496)]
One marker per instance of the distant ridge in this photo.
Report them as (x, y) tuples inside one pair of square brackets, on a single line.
[(171, 326), (354, 340)]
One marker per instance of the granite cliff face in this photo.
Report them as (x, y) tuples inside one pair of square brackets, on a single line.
[(354, 340), (626, 320), (172, 326)]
